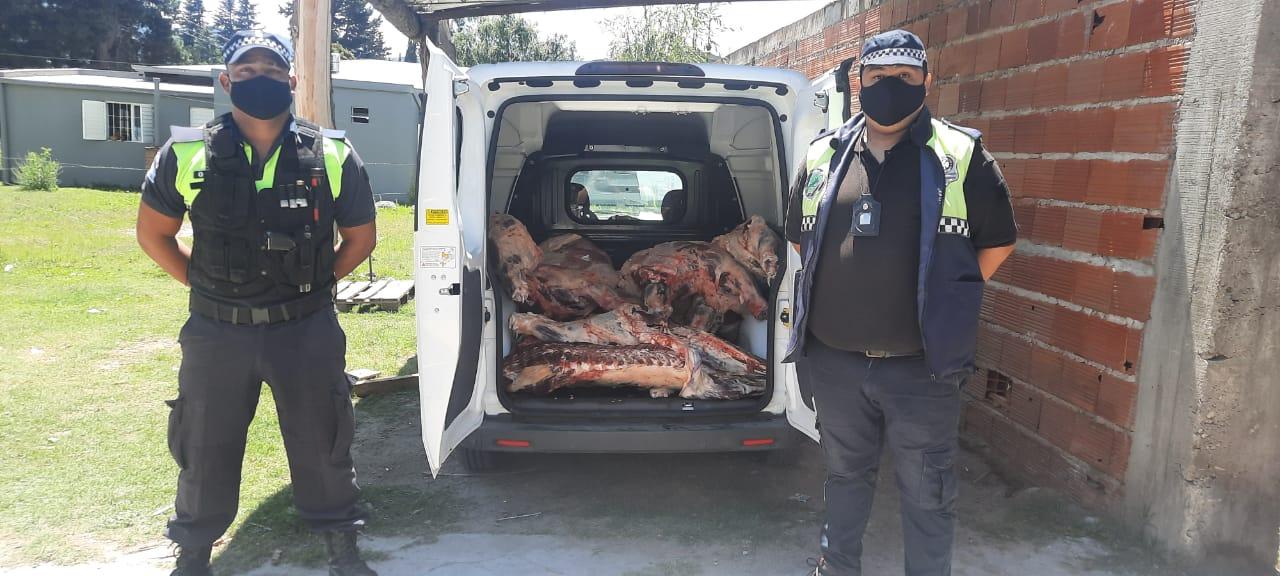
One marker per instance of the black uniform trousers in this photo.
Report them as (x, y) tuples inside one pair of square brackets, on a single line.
[(864, 403), (223, 367)]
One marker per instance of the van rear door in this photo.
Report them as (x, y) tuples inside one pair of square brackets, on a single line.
[(448, 277)]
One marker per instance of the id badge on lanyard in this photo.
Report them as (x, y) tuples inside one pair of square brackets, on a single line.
[(866, 217)]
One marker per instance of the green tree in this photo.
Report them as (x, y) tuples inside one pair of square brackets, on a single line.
[(355, 26), (507, 38), (683, 33), (225, 21), (198, 44), (411, 53), (246, 18), (87, 33)]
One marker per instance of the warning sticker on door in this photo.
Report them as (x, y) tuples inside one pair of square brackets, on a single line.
[(437, 217), (437, 257)]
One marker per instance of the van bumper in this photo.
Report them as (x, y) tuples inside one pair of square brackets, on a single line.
[(757, 433)]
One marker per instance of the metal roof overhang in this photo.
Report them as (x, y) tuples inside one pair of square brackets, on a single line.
[(417, 18)]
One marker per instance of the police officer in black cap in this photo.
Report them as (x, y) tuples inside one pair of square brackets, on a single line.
[(899, 218), (263, 191)]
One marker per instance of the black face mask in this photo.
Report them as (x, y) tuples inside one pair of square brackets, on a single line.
[(891, 100), (261, 97)]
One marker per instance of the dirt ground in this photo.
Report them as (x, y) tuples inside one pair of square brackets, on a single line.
[(655, 515)]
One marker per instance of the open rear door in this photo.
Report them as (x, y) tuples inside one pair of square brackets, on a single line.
[(448, 275)]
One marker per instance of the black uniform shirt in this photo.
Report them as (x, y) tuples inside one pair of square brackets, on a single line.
[(353, 206), (864, 298)]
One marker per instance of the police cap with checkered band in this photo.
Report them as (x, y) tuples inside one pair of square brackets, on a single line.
[(894, 48), (246, 40)]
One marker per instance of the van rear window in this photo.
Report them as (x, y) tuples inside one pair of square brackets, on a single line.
[(622, 195)]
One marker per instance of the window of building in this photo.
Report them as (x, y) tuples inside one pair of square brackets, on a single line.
[(116, 121), (621, 195), (359, 115), (200, 116)]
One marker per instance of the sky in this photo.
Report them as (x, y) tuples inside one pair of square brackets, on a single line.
[(748, 21)]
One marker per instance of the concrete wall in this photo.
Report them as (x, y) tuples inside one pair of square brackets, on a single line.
[(1204, 467), (388, 144), (1139, 141), (46, 115)]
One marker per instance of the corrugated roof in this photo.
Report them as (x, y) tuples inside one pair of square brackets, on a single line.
[(132, 84)]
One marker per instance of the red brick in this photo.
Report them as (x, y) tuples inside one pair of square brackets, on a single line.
[(1165, 71), (1146, 21), (1071, 178), (1027, 10), (1096, 129), (982, 125), (987, 55), (1057, 424), (1122, 76), (1116, 401), (973, 24), (1071, 32), (948, 99), (1121, 448), (931, 99), (1138, 183), (1005, 438), (1050, 86), (1082, 231), (977, 422), (992, 97), (1084, 81), (920, 28), (871, 22), (1046, 368), (957, 23), (1133, 295), (1060, 133), (1144, 128), (1013, 48), (1181, 18), (1024, 405), (1042, 43), (1001, 13), (1113, 31), (1012, 169), (984, 16), (959, 59), (1020, 91), (1028, 134), (970, 93), (1092, 442), (1079, 385), (1038, 180), (938, 29)]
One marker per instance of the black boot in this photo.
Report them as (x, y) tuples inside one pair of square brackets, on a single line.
[(344, 556), (192, 561)]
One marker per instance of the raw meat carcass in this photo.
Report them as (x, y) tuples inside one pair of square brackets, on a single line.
[(628, 326), (754, 245), (566, 277), (575, 278), (673, 271), (517, 254), (547, 366)]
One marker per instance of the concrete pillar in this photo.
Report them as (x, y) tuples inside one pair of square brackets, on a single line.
[(1204, 476)]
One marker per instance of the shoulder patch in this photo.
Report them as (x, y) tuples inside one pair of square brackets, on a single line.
[(186, 134), (331, 133)]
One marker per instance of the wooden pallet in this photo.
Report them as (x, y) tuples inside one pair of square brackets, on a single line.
[(384, 294)]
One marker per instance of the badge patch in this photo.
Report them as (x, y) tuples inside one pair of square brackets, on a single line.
[(817, 178), (949, 169)]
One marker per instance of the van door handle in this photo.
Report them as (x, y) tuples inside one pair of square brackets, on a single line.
[(453, 290), (785, 317)]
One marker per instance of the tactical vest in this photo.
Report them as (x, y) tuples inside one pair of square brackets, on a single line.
[(261, 245), (949, 289)]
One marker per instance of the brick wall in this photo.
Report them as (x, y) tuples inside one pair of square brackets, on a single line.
[(1077, 99)]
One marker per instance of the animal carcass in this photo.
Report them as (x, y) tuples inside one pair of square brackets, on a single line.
[(732, 373), (569, 277), (705, 274), (754, 245)]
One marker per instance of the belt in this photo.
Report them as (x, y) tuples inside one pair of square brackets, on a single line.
[(252, 316), (884, 354)]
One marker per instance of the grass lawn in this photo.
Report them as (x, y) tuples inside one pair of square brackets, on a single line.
[(88, 355)]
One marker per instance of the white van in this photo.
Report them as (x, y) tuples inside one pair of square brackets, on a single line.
[(508, 138)]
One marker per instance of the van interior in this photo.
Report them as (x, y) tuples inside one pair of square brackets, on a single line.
[(655, 171)]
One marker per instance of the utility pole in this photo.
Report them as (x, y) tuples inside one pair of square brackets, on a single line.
[(313, 96)]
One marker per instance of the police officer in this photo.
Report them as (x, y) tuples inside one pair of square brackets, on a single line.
[(900, 218), (263, 191)]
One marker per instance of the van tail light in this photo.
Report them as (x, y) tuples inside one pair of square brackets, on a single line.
[(758, 442), (506, 443)]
